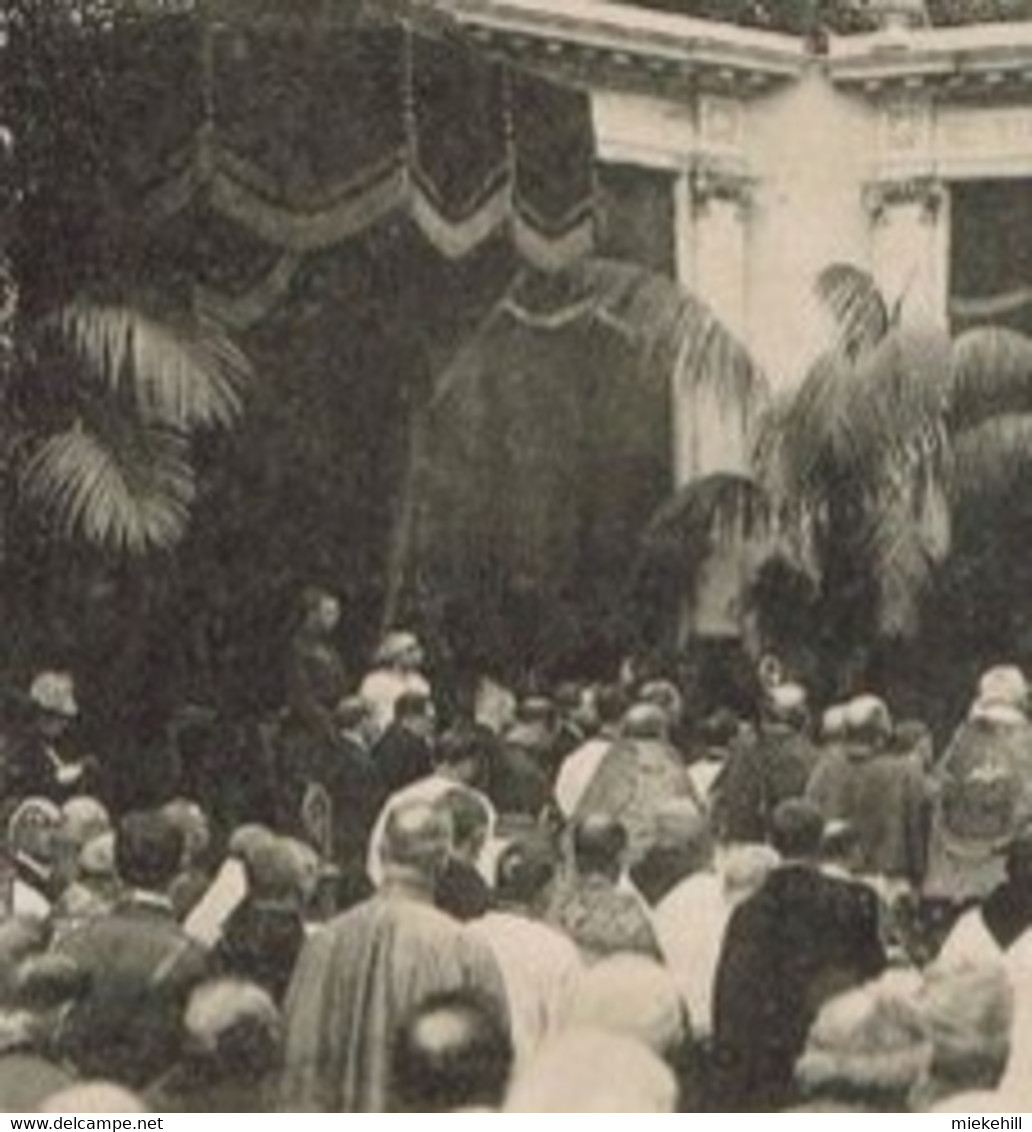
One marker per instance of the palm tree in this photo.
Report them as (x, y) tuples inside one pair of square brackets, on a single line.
[(103, 387), (107, 398), (866, 465), (104, 402)]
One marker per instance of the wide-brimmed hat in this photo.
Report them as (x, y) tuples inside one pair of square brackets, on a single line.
[(395, 645), (968, 1006), (584, 1071), (32, 828), (83, 818), (833, 722), (54, 693), (787, 703), (867, 720), (1003, 695), (872, 1040)]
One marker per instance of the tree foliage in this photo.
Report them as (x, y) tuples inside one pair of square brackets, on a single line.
[(864, 469), (104, 386)]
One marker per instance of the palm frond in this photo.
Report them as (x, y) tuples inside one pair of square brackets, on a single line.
[(876, 418), (991, 457), (129, 498), (680, 334), (909, 535), (723, 516), (852, 297), (796, 439), (706, 513), (182, 374), (858, 461), (895, 405), (991, 374)]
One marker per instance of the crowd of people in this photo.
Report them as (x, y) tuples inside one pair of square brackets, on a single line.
[(581, 901)]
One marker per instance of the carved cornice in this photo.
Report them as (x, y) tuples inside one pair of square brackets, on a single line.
[(626, 47), (927, 192), (973, 61)]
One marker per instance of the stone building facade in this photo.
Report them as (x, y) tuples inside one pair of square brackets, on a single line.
[(744, 161)]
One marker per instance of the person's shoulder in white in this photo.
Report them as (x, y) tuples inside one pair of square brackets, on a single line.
[(576, 773), (970, 940), (530, 941), (691, 915)]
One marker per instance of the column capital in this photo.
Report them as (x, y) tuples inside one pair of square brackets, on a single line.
[(927, 192), (710, 180)]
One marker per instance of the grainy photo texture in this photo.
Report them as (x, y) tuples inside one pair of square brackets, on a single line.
[(514, 575)]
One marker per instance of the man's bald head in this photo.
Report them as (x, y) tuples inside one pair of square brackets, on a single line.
[(646, 721), (599, 844), (417, 836), (93, 1096)]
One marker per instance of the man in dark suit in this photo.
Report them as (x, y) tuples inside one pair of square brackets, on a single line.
[(765, 768), (404, 752), (141, 965), (349, 775), (802, 938)]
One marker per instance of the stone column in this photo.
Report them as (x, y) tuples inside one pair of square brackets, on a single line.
[(712, 203), (721, 200)]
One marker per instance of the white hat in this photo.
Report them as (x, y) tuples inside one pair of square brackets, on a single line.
[(54, 692), (868, 719), (582, 1071), (786, 701), (394, 646), (1003, 686), (833, 722)]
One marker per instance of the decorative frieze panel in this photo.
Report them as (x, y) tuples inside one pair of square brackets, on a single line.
[(639, 130), (980, 140), (905, 126), (721, 123), (921, 137)]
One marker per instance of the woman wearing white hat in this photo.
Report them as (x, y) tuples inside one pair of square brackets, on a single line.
[(39, 761), (982, 791), (398, 663)]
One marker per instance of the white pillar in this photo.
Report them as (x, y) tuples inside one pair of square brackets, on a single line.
[(711, 433), (910, 246), (720, 256)]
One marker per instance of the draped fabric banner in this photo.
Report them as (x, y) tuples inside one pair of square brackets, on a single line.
[(545, 449), (305, 136), (304, 131)]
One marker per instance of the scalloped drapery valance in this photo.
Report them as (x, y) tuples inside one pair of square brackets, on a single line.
[(306, 124)]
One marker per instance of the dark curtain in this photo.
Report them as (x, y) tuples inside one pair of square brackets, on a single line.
[(636, 217), (544, 453)]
